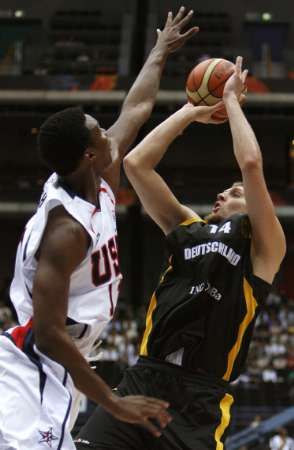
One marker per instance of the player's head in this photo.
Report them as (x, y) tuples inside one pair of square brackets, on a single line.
[(228, 202), (283, 432), (71, 139)]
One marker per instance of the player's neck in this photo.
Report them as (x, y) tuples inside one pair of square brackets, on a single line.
[(84, 185)]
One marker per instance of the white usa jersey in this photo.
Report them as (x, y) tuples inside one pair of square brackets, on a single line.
[(94, 285)]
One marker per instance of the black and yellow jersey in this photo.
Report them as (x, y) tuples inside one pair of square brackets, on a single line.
[(204, 309)]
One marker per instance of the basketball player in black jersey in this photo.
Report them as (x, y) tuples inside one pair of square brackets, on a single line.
[(201, 316)]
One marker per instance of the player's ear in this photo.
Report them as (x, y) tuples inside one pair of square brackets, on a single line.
[(90, 156)]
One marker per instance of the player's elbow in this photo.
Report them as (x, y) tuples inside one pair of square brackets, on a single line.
[(46, 340), (130, 164), (144, 110), (141, 111), (138, 113), (251, 164)]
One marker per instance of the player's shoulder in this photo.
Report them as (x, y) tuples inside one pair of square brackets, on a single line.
[(191, 225), (60, 218), (240, 224), (62, 226), (185, 230), (63, 236), (192, 221)]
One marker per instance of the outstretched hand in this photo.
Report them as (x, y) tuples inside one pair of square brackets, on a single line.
[(236, 83), (170, 37)]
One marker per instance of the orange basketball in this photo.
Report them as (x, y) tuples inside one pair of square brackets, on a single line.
[(205, 83)]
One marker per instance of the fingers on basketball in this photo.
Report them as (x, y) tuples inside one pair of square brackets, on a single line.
[(244, 75), (239, 61), (217, 107)]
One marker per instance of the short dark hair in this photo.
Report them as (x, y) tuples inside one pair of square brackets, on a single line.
[(63, 139)]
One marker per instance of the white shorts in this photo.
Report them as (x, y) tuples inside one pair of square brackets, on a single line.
[(35, 400)]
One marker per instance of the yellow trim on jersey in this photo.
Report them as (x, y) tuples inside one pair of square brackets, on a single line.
[(225, 407), (191, 220), (251, 305), (148, 326), (164, 275)]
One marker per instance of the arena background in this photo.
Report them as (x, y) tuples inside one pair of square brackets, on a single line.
[(58, 53)]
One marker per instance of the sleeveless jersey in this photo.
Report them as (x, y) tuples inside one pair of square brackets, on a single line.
[(94, 285), (202, 314)]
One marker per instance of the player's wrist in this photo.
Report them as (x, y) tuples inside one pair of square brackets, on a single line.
[(161, 49), (117, 407), (111, 403), (230, 96), (187, 114)]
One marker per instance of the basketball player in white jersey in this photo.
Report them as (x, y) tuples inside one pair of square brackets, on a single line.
[(67, 273)]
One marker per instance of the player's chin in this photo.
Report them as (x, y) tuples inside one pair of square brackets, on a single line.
[(213, 217), (101, 167), (107, 162)]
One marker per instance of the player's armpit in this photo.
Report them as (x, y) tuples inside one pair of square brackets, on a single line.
[(156, 197)]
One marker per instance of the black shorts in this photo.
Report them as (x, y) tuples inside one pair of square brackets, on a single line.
[(199, 404)]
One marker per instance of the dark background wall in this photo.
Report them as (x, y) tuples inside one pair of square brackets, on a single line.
[(282, 11)]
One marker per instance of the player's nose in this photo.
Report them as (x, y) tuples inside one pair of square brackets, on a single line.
[(221, 196)]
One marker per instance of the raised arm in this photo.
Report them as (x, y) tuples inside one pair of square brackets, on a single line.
[(63, 248), (156, 197), (268, 240), (139, 102)]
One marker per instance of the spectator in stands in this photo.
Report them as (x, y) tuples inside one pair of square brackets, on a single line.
[(281, 441), (255, 422), (269, 374), (6, 318)]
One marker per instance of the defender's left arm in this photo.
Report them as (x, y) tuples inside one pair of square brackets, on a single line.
[(268, 239), (140, 100)]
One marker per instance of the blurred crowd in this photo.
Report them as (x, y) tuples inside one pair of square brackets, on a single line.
[(7, 315), (6, 318), (120, 339), (271, 355)]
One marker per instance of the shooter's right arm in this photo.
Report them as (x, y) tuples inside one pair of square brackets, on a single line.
[(63, 247), (268, 240), (156, 197)]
